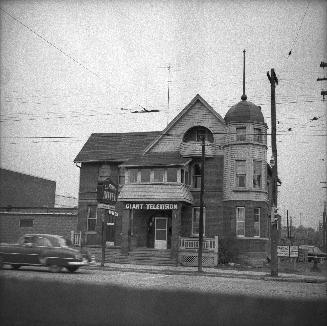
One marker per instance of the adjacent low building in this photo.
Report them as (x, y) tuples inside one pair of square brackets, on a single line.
[(157, 179)]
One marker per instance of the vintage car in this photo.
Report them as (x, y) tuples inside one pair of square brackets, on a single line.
[(52, 251)]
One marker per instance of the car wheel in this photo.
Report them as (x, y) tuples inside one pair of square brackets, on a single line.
[(54, 268), (72, 269), (15, 266)]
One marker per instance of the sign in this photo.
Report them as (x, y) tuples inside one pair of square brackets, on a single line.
[(151, 206), (106, 206), (283, 251), (107, 192), (288, 251), (294, 251)]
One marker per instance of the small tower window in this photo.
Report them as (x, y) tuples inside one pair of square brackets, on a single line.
[(257, 137), (240, 173), (241, 134), (257, 174)]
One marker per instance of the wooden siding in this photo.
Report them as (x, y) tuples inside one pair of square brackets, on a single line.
[(198, 115)]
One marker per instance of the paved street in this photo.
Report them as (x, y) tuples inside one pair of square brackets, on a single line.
[(203, 283)]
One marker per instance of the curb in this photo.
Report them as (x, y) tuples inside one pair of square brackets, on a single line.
[(264, 277)]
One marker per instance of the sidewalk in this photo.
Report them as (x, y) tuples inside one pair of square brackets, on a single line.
[(211, 272)]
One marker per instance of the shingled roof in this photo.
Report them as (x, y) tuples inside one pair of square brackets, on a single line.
[(117, 147)]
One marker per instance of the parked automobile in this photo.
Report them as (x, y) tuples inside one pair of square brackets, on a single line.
[(52, 251), (313, 253)]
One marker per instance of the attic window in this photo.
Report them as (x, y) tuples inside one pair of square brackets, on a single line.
[(104, 171), (197, 133)]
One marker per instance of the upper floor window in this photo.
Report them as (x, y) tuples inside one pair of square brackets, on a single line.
[(121, 176), (257, 135), (196, 220), (257, 174), (240, 133), (132, 175), (240, 221), (171, 175), (256, 223), (145, 175), (158, 175), (196, 177), (104, 171), (240, 173), (197, 133)]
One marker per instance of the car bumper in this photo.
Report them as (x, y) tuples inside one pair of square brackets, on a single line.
[(84, 262)]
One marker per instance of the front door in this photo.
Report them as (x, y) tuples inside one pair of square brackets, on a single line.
[(110, 231), (160, 240)]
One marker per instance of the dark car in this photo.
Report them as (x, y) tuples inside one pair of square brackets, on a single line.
[(313, 253), (49, 250)]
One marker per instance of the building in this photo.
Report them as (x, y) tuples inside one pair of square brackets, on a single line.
[(158, 180), (27, 205), (23, 190)]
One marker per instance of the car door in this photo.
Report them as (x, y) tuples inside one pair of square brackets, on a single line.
[(29, 251)]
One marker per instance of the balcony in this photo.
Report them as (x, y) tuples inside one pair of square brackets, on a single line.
[(194, 149)]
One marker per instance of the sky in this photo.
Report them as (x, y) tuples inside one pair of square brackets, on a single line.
[(72, 68)]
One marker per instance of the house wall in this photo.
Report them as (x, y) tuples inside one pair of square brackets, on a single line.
[(55, 221), (22, 190)]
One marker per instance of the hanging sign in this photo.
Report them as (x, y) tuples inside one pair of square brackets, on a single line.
[(152, 206), (107, 192)]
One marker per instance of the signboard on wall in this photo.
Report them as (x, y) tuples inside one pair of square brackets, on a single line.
[(151, 206), (107, 192)]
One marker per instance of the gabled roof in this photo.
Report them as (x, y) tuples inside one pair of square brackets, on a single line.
[(157, 159), (181, 114), (115, 147)]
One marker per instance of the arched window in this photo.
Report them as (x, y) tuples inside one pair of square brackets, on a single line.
[(197, 133)]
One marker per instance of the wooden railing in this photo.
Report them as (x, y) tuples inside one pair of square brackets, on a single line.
[(76, 238), (210, 244)]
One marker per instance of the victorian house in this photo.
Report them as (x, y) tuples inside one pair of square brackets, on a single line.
[(158, 180)]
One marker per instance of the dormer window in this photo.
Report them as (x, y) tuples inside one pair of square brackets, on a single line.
[(240, 134), (197, 133)]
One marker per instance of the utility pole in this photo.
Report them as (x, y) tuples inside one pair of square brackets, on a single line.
[(201, 208), (323, 92), (288, 230), (273, 241), (168, 94)]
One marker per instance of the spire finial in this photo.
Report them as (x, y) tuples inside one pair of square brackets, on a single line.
[(244, 97)]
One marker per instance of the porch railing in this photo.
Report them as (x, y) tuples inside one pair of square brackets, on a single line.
[(210, 244), (76, 238)]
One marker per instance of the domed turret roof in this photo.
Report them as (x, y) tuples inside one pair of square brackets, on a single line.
[(244, 111)]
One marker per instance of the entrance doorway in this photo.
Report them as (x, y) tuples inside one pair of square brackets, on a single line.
[(160, 234), (110, 231)]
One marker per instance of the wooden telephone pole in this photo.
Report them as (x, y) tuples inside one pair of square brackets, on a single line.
[(201, 208), (274, 222), (323, 92)]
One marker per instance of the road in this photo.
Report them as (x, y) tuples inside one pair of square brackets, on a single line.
[(102, 297)]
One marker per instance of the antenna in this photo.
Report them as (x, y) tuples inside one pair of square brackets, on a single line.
[(168, 95), (243, 97)]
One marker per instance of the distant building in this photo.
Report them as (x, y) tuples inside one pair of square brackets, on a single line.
[(158, 177), (23, 190)]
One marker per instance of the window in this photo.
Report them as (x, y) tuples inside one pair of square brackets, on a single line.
[(257, 168), (132, 176), (240, 221), (257, 137), (104, 171), (241, 134), (43, 242), (196, 220), (171, 175), (182, 176), (240, 173), (196, 176), (158, 175), (187, 179), (26, 223), (256, 222), (145, 175), (91, 218), (121, 176), (197, 133)]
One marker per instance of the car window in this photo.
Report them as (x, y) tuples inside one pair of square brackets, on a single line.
[(43, 242), (29, 239)]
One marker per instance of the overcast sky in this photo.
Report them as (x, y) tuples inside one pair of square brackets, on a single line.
[(72, 68)]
